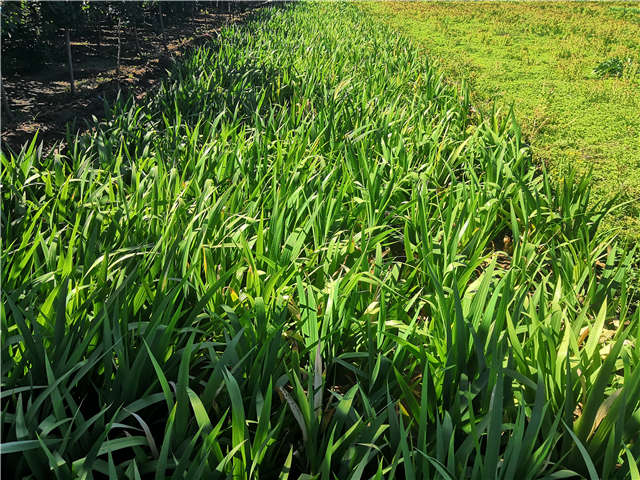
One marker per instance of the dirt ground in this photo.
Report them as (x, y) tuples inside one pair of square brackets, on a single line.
[(43, 101)]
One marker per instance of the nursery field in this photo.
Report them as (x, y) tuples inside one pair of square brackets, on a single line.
[(571, 70), (307, 256)]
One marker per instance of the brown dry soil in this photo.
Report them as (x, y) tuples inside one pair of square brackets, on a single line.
[(42, 102)]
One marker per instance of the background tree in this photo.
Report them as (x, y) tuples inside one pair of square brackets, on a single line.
[(37, 33)]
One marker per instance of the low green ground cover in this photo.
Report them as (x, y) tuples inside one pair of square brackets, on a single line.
[(308, 258), (572, 70)]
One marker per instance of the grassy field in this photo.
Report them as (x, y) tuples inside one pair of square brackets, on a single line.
[(307, 258), (541, 57)]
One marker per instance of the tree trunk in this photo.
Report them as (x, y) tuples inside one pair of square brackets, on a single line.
[(137, 40), (35, 12), (5, 103), (69, 60), (119, 48), (164, 39)]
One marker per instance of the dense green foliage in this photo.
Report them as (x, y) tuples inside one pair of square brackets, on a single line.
[(616, 67), (306, 258)]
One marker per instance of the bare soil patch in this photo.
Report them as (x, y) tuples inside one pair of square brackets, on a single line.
[(42, 102)]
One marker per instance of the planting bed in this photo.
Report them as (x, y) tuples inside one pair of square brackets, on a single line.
[(307, 257)]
